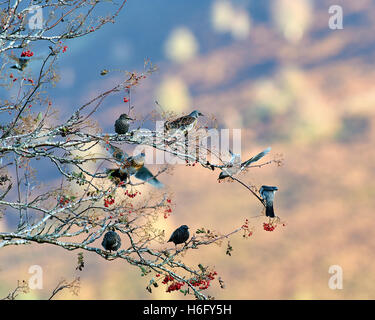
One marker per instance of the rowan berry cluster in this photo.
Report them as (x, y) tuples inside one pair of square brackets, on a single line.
[(203, 283), (27, 53), (167, 279), (109, 201), (269, 226), (175, 286)]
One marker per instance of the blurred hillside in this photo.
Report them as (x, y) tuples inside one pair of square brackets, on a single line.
[(288, 81)]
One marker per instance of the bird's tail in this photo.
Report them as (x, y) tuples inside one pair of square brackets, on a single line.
[(257, 157), (145, 175), (269, 211)]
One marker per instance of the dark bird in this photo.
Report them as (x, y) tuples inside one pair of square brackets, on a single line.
[(180, 235), (184, 124), (268, 194), (122, 124), (130, 166), (111, 241), (235, 166)]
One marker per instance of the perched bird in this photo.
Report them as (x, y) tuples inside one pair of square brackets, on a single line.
[(268, 193), (111, 241), (180, 235), (122, 124), (235, 166), (130, 166), (184, 124)]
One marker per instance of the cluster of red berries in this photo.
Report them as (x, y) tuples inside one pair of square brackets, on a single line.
[(175, 286), (268, 226), (63, 201), (203, 284), (167, 279), (27, 53), (64, 49), (126, 100), (109, 201), (131, 195)]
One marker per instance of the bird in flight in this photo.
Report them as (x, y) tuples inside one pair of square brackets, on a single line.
[(131, 166), (21, 62), (235, 166)]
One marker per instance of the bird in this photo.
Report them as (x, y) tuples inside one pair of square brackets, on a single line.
[(111, 241), (268, 193), (180, 235), (235, 166), (184, 124), (122, 124), (130, 166), (21, 63)]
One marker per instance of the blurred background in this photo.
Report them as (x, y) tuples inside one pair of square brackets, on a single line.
[(276, 70)]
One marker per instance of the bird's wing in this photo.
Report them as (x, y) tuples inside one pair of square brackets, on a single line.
[(145, 175), (236, 159), (255, 158), (117, 153), (13, 57), (180, 122), (175, 235), (172, 236)]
